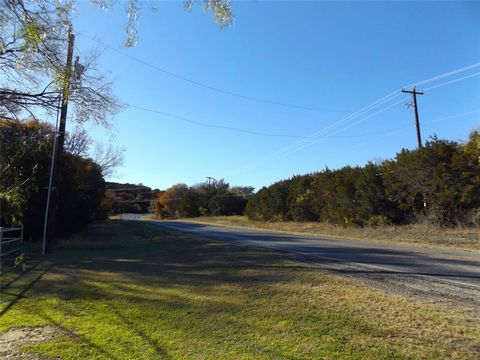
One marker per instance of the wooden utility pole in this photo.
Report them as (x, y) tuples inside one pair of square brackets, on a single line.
[(209, 178), (57, 159), (414, 94)]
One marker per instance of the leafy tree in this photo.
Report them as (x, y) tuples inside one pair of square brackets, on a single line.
[(33, 40), (226, 204), (24, 159), (188, 205), (168, 202), (83, 178), (25, 156), (371, 203), (439, 184), (32, 70), (300, 198), (214, 198), (270, 203)]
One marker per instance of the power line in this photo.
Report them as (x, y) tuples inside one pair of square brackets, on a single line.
[(305, 138), (452, 81), (336, 124), (310, 140), (317, 139), (386, 98), (305, 142), (267, 101), (246, 131), (444, 75), (392, 131), (211, 125), (210, 87)]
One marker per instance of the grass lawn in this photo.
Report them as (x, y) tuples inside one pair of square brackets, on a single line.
[(125, 290), (422, 235)]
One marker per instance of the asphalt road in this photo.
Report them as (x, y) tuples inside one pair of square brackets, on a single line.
[(443, 275)]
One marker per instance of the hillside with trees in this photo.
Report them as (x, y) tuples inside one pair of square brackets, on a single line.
[(438, 184), (129, 198)]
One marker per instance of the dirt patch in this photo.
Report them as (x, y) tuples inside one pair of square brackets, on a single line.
[(12, 341)]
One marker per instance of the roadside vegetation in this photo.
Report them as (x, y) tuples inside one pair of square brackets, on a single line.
[(26, 151), (438, 184), (123, 290), (429, 197), (210, 198), (124, 198)]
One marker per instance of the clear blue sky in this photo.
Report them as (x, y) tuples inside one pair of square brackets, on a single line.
[(339, 56)]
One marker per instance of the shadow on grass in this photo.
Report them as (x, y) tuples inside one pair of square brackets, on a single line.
[(75, 336), (23, 290), (4, 286), (151, 270), (153, 280), (143, 335)]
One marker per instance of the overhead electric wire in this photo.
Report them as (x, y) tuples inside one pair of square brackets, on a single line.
[(201, 123), (392, 131), (253, 98), (444, 75), (348, 127), (452, 81), (304, 140), (336, 124), (311, 139), (227, 92), (210, 87), (451, 117), (352, 116)]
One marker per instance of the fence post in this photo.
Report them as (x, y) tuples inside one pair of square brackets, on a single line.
[(1, 245), (21, 239)]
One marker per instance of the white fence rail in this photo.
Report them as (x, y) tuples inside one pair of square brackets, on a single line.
[(11, 242)]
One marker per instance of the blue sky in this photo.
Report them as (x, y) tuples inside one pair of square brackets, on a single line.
[(337, 56)]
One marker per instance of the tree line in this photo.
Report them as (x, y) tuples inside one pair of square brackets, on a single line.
[(212, 198), (439, 184), (25, 158)]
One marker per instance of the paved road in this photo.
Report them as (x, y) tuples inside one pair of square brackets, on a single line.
[(443, 275)]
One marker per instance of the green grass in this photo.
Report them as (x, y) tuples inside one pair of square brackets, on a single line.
[(125, 290), (418, 234)]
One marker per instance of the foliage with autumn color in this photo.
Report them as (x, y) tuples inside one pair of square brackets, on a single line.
[(214, 198)]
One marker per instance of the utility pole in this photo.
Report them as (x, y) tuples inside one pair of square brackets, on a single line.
[(50, 179), (209, 178), (414, 94), (58, 149)]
